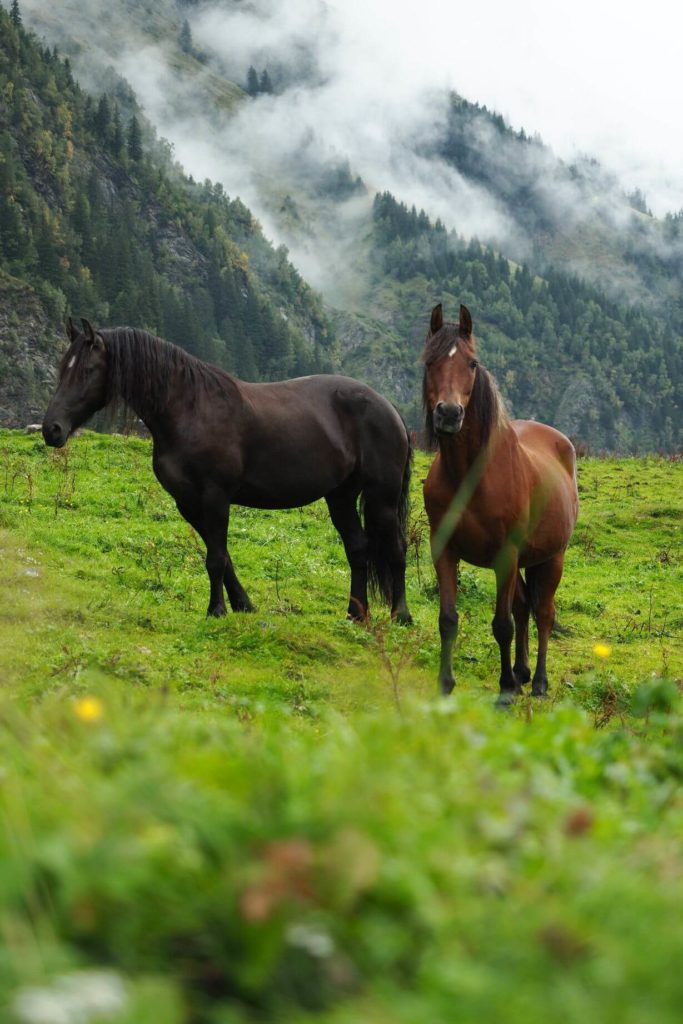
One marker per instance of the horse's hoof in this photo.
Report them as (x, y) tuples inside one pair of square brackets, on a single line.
[(243, 606), (522, 675), (403, 618), (539, 687), (446, 686), (218, 612), (505, 699)]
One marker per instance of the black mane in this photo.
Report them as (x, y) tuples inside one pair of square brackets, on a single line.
[(141, 367), (486, 403)]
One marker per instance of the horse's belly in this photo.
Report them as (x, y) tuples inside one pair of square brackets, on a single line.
[(264, 497), (284, 487)]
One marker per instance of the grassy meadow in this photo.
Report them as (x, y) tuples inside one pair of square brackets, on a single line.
[(273, 817)]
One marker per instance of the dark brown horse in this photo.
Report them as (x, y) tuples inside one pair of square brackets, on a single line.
[(500, 494), (218, 441)]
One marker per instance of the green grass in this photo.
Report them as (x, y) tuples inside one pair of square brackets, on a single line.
[(273, 817)]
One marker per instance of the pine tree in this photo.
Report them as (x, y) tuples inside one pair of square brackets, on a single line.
[(265, 85), (134, 140), (252, 81), (102, 121), (116, 132), (13, 241), (185, 38), (15, 13)]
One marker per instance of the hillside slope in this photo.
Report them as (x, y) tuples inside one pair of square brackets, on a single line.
[(271, 817)]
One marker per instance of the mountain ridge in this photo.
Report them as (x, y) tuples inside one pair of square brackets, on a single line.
[(95, 219)]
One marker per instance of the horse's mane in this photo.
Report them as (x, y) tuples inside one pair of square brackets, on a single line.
[(141, 367), (486, 403)]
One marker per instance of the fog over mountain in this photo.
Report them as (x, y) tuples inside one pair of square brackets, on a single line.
[(365, 93)]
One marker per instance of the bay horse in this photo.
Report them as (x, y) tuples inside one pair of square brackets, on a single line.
[(219, 441), (500, 494)]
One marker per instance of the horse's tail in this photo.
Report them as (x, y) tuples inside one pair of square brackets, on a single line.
[(404, 500), (383, 549)]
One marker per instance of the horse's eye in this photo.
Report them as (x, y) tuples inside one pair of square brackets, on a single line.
[(474, 364)]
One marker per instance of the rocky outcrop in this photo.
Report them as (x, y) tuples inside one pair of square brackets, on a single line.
[(29, 352)]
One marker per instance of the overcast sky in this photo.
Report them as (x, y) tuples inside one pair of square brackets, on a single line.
[(603, 77)]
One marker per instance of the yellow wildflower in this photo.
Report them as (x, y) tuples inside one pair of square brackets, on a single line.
[(89, 709), (602, 650)]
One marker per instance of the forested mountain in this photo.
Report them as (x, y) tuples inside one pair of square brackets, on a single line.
[(575, 288), (603, 372), (95, 219)]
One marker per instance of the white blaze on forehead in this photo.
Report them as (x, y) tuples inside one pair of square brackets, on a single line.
[(71, 362), (453, 350)]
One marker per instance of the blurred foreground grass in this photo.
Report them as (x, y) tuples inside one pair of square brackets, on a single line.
[(272, 817)]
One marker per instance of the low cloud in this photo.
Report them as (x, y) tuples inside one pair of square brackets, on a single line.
[(371, 89)]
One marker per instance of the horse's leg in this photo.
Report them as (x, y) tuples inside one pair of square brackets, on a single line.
[(503, 628), (544, 580), (387, 549), (239, 599), (520, 613), (209, 517), (344, 516), (215, 511), (237, 595), (447, 574)]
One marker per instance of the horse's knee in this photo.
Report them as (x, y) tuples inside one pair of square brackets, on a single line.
[(503, 629), (216, 563), (448, 625)]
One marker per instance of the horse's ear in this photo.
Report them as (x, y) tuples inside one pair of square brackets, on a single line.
[(71, 330), (437, 319), (465, 322), (88, 330)]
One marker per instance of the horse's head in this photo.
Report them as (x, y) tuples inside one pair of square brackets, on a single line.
[(82, 385), (450, 372)]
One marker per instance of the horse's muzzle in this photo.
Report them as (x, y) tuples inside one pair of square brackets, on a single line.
[(55, 434), (448, 417)]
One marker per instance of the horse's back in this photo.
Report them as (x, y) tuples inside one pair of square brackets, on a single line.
[(308, 436), (346, 396), (544, 443), (331, 404)]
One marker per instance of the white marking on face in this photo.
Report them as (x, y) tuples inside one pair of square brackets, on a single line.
[(453, 350), (71, 362)]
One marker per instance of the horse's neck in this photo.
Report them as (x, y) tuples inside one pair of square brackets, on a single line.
[(459, 452), (465, 454), (163, 413)]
